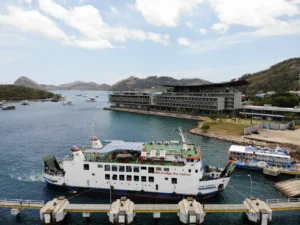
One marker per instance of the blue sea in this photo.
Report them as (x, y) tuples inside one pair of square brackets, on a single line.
[(30, 132)]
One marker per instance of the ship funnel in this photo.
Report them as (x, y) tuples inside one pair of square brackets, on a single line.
[(96, 143)]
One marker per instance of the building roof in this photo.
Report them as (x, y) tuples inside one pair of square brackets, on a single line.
[(271, 108), (225, 84)]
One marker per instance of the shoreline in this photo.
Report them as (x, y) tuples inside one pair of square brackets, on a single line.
[(240, 140), (155, 113)]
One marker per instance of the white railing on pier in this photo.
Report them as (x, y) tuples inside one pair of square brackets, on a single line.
[(21, 201), (269, 201)]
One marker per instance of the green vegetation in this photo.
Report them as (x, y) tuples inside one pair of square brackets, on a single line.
[(280, 77), (280, 100), (290, 117), (18, 93), (205, 127)]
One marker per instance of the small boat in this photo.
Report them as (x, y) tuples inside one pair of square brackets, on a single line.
[(54, 100), (8, 107), (68, 103), (25, 102), (91, 100)]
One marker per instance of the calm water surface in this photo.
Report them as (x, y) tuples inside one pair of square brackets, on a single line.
[(30, 132)]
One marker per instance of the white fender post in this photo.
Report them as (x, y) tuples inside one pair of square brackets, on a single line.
[(191, 211)]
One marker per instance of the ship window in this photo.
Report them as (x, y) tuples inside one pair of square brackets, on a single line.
[(114, 177), (196, 171), (107, 176), (158, 168), (166, 169), (151, 179), (100, 166), (143, 168), (86, 166), (128, 169), (121, 168), (144, 179), (174, 180), (156, 187), (136, 178), (190, 170), (166, 178), (136, 169), (121, 177), (93, 174), (107, 167), (114, 168), (129, 178), (150, 169)]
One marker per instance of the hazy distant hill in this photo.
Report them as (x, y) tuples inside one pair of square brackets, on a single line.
[(152, 83), (281, 77), (78, 85), (26, 82)]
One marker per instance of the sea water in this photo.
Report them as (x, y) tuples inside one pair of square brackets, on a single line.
[(30, 132)]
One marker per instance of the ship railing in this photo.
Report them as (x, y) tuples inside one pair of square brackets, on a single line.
[(287, 180), (269, 201), (21, 201)]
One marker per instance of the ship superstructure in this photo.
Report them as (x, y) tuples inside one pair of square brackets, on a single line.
[(257, 158), (156, 169)]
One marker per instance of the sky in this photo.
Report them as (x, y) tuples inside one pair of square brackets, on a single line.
[(104, 41)]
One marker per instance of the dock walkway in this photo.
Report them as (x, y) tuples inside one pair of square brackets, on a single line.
[(188, 209)]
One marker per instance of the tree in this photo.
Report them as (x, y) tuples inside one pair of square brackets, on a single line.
[(213, 117), (205, 127)]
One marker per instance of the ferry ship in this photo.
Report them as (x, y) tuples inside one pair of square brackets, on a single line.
[(161, 169), (257, 158)]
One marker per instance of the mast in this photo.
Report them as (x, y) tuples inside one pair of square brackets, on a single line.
[(93, 128), (184, 146)]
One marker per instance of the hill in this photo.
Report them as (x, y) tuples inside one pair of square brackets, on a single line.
[(18, 93), (80, 85), (151, 83), (281, 77), (26, 82)]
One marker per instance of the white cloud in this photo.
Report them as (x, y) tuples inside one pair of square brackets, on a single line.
[(220, 28), (189, 24), (183, 41), (281, 28), (25, 1), (114, 10), (32, 21), (165, 12), (254, 13), (88, 21), (94, 33), (203, 31)]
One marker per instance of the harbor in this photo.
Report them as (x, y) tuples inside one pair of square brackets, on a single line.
[(24, 179), (123, 211)]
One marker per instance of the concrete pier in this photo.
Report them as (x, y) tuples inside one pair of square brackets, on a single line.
[(258, 211), (191, 211), (122, 211), (54, 211)]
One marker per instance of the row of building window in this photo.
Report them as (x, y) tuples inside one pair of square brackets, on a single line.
[(135, 178), (129, 169)]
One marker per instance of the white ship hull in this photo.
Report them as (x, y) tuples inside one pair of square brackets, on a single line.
[(156, 185)]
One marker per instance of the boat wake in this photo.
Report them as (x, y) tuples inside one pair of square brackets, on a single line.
[(33, 177)]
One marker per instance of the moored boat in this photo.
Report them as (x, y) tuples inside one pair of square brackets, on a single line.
[(24, 102), (91, 100), (257, 158), (8, 107), (161, 169), (67, 103)]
